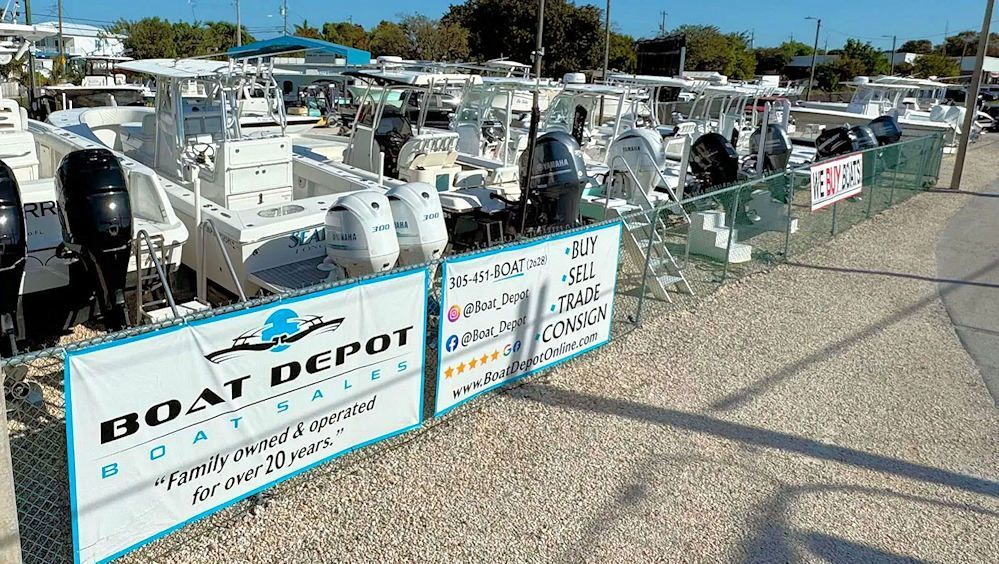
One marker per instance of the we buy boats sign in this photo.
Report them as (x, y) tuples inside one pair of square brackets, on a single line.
[(837, 179)]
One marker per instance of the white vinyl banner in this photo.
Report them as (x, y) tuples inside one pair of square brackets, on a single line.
[(169, 426), (836, 180), (506, 314)]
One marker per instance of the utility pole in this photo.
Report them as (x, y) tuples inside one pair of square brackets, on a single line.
[(971, 103), (752, 39), (62, 45), (284, 13), (239, 27), (532, 136), (606, 46), (894, 38), (31, 61), (815, 51), (662, 24)]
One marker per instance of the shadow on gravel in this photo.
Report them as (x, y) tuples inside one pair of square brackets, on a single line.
[(774, 536), (845, 270), (746, 394), (567, 399)]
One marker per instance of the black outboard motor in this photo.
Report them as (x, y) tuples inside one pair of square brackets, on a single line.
[(96, 219), (13, 253), (713, 161), (776, 149), (886, 129), (557, 187), (844, 140)]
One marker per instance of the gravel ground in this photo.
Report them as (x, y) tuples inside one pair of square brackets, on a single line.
[(861, 431)]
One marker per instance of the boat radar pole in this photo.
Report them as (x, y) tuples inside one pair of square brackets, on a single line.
[(532, 136)]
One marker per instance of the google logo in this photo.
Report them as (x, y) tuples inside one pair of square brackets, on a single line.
[(453, 313)]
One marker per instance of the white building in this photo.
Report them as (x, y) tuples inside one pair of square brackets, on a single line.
[(81, 40)]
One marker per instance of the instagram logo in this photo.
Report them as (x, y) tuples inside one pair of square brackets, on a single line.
[(453, 313)]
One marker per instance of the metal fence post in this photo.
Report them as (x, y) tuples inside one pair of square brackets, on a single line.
[(835, 207), (10, 536), (789, 182), (874, 181), (894, 176), (731, 232), (920, 182)]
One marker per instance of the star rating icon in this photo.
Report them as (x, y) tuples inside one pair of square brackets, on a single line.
[(472, 363)]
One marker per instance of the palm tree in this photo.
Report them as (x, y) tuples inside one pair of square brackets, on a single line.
[(306, 30)]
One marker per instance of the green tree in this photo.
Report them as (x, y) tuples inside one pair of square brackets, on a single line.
[(916, 46), (864, 59), (623, 56), (346, 33), (708, 49), (965, 44), (573, 35), (306, 30), (148, 38), (935, 64), (389, 38), (436, 40)]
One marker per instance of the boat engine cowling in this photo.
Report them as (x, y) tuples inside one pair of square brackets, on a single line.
[(13, 253), (419, 222), (713, 160), (776, 148), (644, 152), (864, 138), (886, 129), (96, 218), (557, 186), (360, 235)]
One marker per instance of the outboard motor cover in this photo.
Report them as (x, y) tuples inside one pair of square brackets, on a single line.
[(776, 149), (96, 218), (419, 222), (886, 129), (360, 235), (13, 252), (557, 186), (644, 152), (834, 142), (863, 138), (713, 160)]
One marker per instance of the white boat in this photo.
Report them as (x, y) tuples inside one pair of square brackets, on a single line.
[(267, 204), (887, 96)]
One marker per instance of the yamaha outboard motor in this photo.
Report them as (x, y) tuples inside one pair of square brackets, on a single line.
[(96, 218), (360, 238), (886, 129), (776, 148), (419, 222), (844, 140), (713, 161), (557, 186), (13, 252)]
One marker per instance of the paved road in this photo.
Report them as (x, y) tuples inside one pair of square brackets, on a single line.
[(968, 263)]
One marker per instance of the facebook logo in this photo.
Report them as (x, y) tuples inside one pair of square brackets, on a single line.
[(451, 344)]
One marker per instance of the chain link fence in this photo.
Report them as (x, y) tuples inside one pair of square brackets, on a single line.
[(760, 222)]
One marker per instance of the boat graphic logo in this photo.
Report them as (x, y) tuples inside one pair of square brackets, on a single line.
[(282, 329)]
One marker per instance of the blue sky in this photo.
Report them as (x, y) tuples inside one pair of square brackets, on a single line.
[(772, 20)]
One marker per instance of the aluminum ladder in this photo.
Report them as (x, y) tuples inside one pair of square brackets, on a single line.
[(644, 233)]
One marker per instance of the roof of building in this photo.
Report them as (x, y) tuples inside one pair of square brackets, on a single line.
[(289, 43), (81, 30)]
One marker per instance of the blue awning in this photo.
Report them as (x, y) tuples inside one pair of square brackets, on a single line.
[(287, 43)]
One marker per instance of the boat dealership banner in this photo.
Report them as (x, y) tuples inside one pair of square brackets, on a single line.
[(836, 180), (169, 426), (509, 313)]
